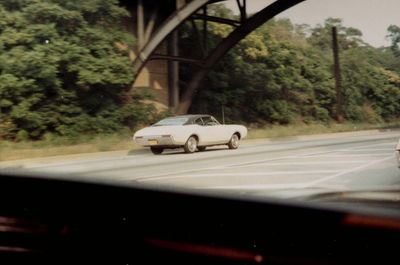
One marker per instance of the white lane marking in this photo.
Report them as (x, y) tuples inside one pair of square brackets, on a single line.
[(263, 173), (157, 176), (296, 185), (244, 164), (253, 187), (346, 172), (304, 163), (348, 155), (256, 162), (236, 165), (160, 176), (363, 150), (244, 174), (371, 145)]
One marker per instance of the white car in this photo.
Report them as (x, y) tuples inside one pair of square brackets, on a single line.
[(192, 132)]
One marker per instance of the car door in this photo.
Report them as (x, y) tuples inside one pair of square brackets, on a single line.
[(215, 130), (224, 131), (204, 136)]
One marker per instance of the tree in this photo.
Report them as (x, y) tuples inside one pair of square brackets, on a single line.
[(282, 73), (266, 80), (348, 37), (64, 68), (394, 37)]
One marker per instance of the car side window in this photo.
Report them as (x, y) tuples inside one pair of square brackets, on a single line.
[(199, 121), (208, 121), (215, 121)]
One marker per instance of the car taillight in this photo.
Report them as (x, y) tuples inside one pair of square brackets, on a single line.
[(166, 135), (138, 137)]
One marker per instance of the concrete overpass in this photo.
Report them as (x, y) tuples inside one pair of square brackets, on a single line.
[(156, 58)]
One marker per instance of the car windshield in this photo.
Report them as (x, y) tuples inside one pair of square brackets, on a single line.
[(171, 121), (305, 94)]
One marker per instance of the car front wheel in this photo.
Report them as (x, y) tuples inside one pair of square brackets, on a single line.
[(190, 145), (156, 150), (234, 142)]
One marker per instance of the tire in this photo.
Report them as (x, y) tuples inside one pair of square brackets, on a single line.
[(156, 150), (201, 148), (234, 141), (190, 145)]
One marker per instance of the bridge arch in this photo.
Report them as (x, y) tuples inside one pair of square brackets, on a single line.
[(242, 28)]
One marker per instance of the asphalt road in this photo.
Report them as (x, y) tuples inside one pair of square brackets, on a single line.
[(333, 162)]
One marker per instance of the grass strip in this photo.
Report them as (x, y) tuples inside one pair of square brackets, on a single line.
[(275, 131)]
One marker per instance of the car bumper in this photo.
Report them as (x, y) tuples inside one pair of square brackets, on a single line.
[(157, 140)]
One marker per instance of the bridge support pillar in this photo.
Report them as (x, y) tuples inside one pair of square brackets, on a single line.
[(158, 76), (173, 71)]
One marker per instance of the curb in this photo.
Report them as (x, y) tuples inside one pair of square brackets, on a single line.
[(52, 159)]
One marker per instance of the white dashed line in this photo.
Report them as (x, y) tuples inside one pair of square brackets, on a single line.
[(242, 174), (364, 150), (349, 155), (371, 145), (253, 187), (305, 163)]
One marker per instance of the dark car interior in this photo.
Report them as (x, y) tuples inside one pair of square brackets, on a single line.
[(52, 220)]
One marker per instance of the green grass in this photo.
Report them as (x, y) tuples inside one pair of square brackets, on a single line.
[(303, 129), (54, 146)]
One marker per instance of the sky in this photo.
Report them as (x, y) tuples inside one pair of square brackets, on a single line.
[(372, 17)]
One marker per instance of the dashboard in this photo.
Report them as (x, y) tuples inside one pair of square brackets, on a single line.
[(55, 220)]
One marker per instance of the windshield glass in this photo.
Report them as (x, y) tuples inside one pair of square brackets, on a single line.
[(171, 121), (308, 101)]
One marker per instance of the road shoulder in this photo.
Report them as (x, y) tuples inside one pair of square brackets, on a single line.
[(136, 150)]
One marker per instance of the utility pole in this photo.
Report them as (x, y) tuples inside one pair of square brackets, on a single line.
[(223, 115), (338, 78)]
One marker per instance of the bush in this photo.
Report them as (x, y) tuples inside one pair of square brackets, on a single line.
[(277, 111), (321, 114)]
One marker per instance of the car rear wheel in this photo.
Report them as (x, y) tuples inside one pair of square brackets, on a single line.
[(156, 150), (234, 142), (190, 145), (201, 148)]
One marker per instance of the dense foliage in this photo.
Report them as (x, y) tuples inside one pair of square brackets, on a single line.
[(283, 73), (64, 69)]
